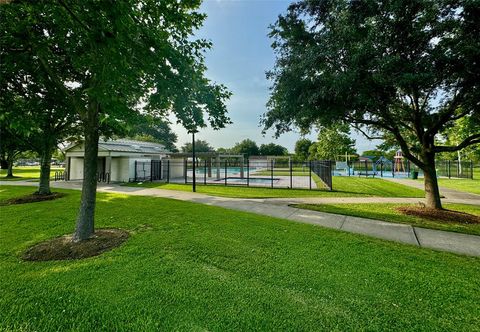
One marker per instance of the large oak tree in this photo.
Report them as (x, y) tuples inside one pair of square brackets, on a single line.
[(106, 58), (403, 68)]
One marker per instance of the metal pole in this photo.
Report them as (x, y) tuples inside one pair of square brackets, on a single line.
[(225, 174), (471, 169), (366, 169), (135, 178), (449, 170), (205, 171), (194, 189), (151, 170), (271, 171), (185, 164), (310, 173), (248, 172), (168, 171), (291, 173)]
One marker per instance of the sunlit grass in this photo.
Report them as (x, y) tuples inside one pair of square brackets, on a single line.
[(188, 266), (388, 212), (342, 187), (27, 172)]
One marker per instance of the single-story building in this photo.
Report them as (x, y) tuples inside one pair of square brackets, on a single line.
[(117, 159)]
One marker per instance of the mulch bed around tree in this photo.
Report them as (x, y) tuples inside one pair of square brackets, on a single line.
[(440, 215), (63, 248), (31, 198)]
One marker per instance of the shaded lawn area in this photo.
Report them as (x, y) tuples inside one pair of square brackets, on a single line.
[(188, 266), (467, 185), (26, 172), (387, 212), (343, 187)]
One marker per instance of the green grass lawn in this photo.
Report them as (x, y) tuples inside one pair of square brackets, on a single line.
[(467, 185), (27, 172), (343, 186), (387, 212), (188, 266)]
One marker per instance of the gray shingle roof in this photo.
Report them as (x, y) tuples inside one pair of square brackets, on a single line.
[(125, 145)]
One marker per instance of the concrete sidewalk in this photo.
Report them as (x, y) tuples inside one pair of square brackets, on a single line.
[(427, 238)]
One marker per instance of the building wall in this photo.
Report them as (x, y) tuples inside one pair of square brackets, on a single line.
[(76, 168), (115, 170), (177, 168), (122, 165)]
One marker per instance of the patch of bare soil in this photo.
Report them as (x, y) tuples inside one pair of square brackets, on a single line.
[(31, 198), (440, 215), (63, 248)]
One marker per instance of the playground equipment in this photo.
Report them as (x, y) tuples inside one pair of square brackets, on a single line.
[(399, 165)]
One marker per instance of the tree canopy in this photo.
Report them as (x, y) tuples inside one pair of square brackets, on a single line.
[(272, 149), (108, 61), (332, 143), (247, 147), (154, 129), (200, 146), (405, 69), (302, 147)]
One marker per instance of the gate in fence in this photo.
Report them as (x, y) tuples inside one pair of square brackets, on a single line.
[(149, 170)]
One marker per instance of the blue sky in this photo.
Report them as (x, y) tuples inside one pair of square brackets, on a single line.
[(240, 56)]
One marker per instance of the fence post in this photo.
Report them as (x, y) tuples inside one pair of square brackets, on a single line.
[(205, 172), (381, 169), (271, 172), (310, 175), (185, 165), (393, 168), (168, 171), (135, 177), (151, 170), (291, 173), (248, 172), (471, 169), (331, 163), (225, 174), (449, 169), (366, 169), (458, 168)]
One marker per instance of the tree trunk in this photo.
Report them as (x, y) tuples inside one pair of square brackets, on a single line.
[(45, 162), (10, 165), (459, 163), (3, 162), (432, 192), (85, 221)]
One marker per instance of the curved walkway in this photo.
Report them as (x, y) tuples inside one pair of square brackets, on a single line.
[(417, 236)]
